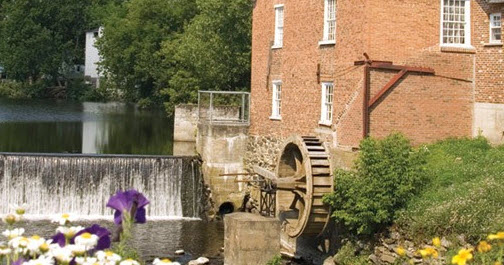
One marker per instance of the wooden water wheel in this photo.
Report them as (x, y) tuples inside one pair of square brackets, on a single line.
[(304, 175)]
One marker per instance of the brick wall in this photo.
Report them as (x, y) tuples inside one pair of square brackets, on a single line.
[(425, 108)]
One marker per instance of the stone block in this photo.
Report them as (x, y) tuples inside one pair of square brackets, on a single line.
[(250, 239)]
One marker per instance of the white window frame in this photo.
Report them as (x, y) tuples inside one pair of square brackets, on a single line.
[(327, 104), (325, 38), (492, 20), (467, 27), (279, 27), (276, 100)]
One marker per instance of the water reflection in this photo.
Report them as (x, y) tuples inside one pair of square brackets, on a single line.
[(91, 128)]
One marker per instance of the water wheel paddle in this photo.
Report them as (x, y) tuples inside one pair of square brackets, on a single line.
[(304, 175)]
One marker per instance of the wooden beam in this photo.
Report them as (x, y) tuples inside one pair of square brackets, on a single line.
[(387, 87), (401, 67), (264, 173)]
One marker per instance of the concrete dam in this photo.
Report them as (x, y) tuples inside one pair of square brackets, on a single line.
[(82, 184)]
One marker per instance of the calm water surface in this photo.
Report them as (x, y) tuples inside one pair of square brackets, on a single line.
[(41, 126)]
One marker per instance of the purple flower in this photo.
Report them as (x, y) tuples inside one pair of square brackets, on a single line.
[(59, 239), (19, 261), (125, 201), (102, 233)]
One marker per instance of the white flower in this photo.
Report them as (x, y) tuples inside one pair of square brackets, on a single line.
[(129, 262), (4, 251), (10, 234), (164, 262), (34, 244), (78, 250), (108, 256), (86, 261), (64, 219), (69, 232), (42, 260), (19, 244), (20, 209), (86, 239), (11, 218), (62, 255)]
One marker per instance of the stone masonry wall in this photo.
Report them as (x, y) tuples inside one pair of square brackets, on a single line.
[(262, 151)]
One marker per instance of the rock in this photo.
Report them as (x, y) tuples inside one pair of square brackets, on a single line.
[(395, 235), (180, 252), (329, 261), (389, 241), (388, 258), (199, 261), (461, 239), (445, 243), (374, 259)]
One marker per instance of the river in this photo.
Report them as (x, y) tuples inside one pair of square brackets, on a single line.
[(43, 126)]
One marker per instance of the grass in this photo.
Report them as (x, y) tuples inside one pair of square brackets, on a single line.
[(464, 194)]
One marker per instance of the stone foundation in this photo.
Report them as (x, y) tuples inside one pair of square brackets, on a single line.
[(250, 239), (262, 151)]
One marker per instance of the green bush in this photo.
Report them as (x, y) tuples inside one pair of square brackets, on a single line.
[(12, 89), (276, 260), (388, 173)]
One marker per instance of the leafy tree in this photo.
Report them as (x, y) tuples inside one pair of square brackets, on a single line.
[(213, 53), (133, 35), (43, 38)]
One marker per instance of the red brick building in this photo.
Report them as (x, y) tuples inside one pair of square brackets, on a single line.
[(307, 78)]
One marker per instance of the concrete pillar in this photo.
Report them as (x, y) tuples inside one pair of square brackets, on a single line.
[(250, 239)]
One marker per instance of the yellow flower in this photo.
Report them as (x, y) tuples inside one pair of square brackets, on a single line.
[(498, 236), (429, 252), (436, 242), (464, 255), (498, 263), (400, 251), (483, 247)]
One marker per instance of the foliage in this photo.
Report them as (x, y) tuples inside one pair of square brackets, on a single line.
[(12, 89), (133, 35), (349, 254), (44, 37), (213, 52), (464, 196), (388, 173), (276, 260)]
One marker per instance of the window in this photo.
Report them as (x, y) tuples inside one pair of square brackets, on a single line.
[(495, 28), (279, 24), (329, 22), (455, 22), (276, 110), (326, 113)]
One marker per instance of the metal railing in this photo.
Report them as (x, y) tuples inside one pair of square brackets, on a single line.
[(224, 107)]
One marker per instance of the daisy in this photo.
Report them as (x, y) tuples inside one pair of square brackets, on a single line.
[(88, 240)]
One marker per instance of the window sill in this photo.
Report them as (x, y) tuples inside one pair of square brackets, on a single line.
[(458, 49), (327, 42), (276, 47), (275, 118), (495, 44), (325, 123)]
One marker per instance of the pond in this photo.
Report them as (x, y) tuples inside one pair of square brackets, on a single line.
[(43, 126)]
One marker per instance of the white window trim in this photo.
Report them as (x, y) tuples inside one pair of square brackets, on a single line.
[(467, 29), (325, 33), (323, 110), (276, 45), (274, 113), (490, 26)]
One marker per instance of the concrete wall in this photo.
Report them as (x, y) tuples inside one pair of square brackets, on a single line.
[(186, 123), (250, 239), (222, 148), (489, 122)]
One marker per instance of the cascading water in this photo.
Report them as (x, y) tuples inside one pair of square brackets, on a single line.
[(80, 184)]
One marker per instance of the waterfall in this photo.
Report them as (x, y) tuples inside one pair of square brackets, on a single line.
[(82, 184)]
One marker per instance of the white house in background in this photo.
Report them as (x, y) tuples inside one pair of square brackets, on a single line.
[(92, 57)]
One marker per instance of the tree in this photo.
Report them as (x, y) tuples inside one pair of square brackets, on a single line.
[(213, 52), (132, 38), (42, 38)]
